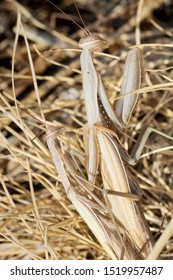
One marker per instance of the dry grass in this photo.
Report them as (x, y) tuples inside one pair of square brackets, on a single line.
[(37, 221)]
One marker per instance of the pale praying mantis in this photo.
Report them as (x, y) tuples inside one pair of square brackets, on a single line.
[(107, 215), (127, 236)]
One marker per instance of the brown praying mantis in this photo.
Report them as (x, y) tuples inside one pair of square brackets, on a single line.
[(117, 220)]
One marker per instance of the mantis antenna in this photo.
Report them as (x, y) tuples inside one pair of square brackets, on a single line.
[(89, 33), (69, 17)]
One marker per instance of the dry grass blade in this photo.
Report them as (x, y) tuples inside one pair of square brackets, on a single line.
[(161, 242)]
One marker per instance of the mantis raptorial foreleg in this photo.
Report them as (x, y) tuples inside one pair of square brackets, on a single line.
[(133, 78)]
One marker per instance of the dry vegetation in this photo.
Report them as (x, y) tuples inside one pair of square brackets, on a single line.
[(37, 221)]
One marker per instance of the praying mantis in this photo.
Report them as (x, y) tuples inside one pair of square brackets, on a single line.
[(106, 195), (117, 223)]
